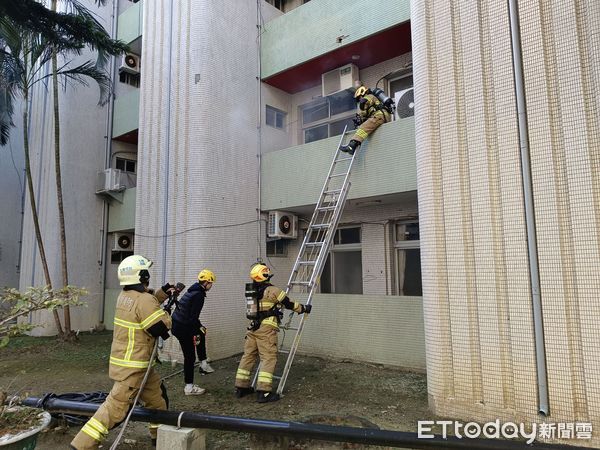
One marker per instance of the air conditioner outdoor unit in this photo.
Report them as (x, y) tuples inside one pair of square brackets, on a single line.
[(122, 242), (282, 225), (130, 63), (109, 180), (339, 79), (405, 103)]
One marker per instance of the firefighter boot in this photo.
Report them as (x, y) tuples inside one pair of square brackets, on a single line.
[(351, 147), (242, 392), (266, 397)]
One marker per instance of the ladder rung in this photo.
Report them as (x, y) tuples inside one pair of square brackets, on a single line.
[(301, 283), (284, 351), (338, 175), (289, 328), (320, 225), (314, 244), (277, 377), (343, 159), (335, 191), (326, 208), (307, 263)]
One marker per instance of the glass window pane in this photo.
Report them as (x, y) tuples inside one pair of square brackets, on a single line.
[(326, 277), (130, 166), (400, 84), (409, 272), (349, 236), (316, 133), (279, 120), (407, 232), (336, 128), (341, 102), (348, 272), (315, 111), (120, 164), (270, 116)]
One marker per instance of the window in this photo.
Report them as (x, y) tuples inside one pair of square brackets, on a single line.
[(408, 259), (275, 117), (125, 165), (132, 79), (277, 247), (117, 257), (277, 4), (326, 117), (342, 273)]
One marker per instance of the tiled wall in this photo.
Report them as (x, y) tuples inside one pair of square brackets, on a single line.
[(477, 299)]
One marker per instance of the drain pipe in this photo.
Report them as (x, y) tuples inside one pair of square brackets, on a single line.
[(534, 274), (300, 430), (107, 159)]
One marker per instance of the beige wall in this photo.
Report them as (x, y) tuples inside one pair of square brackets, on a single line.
[(477, 301)]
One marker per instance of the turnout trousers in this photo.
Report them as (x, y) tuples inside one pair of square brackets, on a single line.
[(260, 344), (116, 407), (368, 126)]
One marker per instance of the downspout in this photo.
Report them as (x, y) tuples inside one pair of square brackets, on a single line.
[(107, 158), (259, 130), (534, 275), (167, 149)]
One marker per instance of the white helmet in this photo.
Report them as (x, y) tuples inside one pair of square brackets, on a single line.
[(134, 270)]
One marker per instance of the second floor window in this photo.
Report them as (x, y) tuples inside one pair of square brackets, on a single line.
[(125, 165), (326, 117), (275, 117)]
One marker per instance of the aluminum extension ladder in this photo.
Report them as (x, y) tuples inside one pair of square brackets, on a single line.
[(306, 273)]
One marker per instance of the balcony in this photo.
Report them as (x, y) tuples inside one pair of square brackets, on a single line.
[(129, 26), (126, 117), (121, 215), (385, 164), (297, 47)]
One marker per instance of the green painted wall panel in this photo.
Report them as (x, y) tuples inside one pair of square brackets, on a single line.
[(121, 216), (126, 115), (312, 29), (385, 164), (110, 301), (130, 21)]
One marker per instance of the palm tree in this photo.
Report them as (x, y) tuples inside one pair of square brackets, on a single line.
[(96, 38), (22, 56)]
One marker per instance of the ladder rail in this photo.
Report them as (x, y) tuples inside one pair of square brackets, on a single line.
[(315, 212)]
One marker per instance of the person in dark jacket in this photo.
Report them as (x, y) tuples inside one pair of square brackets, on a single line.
[(190, 332)]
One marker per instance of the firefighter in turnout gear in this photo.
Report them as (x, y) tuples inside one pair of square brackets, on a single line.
[(372, 112), (139, 321), (264, 306)]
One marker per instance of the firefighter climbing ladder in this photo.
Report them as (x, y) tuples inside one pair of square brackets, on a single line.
[(315, 247)]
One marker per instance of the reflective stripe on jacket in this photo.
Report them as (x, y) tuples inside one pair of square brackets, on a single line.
[(132, 345), (272, 296)]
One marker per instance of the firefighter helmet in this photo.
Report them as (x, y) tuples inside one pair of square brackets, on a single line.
[(134, 270), (260, 273), (207, 275), (362, 90)]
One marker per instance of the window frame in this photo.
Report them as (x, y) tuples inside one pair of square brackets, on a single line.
[(284, 244), (325, 121), (398, 246), (125, 163), (276, 111), (342, 248)]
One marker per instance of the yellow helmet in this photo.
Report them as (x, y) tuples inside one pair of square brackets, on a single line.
[(207, 275), (260, 273), (132, 268), (362, 90)]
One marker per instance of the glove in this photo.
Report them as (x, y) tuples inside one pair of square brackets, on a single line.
[(306, 309), (203, 330), (166, 288), (197, 340)]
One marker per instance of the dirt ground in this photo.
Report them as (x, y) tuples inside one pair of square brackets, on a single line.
[(318, 391)]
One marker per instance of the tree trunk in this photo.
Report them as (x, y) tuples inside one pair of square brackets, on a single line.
[(59, 194), (36, 222)]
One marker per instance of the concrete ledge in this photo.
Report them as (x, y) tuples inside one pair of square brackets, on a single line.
[(173, 438)]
